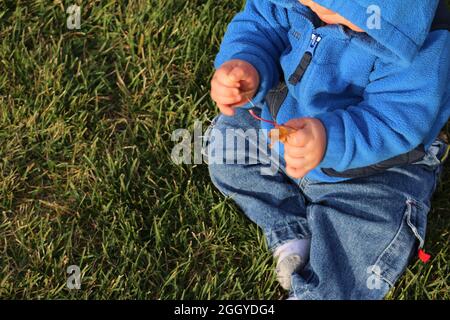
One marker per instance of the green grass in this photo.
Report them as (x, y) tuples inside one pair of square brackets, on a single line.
[(85, 172)]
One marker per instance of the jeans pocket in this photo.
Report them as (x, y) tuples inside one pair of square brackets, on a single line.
[(393, 261)]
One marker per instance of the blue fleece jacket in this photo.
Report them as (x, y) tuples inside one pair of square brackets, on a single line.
[(379, 94)]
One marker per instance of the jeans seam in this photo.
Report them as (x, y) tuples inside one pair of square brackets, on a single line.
[(411, 203), (288, 226)]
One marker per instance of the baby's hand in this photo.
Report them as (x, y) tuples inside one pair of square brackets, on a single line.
[(305, 148), (233, 84)]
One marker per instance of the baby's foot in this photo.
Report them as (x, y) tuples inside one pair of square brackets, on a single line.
[(291, 258)]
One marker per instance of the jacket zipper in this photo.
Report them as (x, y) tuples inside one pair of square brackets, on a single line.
[(306, 60)]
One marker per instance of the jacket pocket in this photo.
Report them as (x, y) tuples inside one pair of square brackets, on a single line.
[(394, 259)]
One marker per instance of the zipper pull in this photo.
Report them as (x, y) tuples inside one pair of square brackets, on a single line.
[(306, 60), (315, 39)]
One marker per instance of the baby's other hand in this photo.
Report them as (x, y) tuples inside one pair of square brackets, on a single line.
[(305, 148), (233, 84)]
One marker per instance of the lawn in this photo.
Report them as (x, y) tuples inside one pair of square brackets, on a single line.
[(86, 177)]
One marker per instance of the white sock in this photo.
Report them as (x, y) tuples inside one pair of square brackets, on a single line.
[(299, 246)]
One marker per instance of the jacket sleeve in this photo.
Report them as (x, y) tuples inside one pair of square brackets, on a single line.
[(257, 35), (401, 108)]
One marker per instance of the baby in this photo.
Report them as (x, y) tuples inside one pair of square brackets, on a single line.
[(364, 86)]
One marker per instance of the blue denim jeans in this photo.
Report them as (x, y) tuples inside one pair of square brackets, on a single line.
[(363, 231)]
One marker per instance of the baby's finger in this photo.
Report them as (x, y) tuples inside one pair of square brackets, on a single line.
[(236, 74), (240, 103), (221, 76), (222, 90), (226, 109), (295, 162), (296, 173), (219, 89), (226, 100), (295, 152), (299, 138)]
